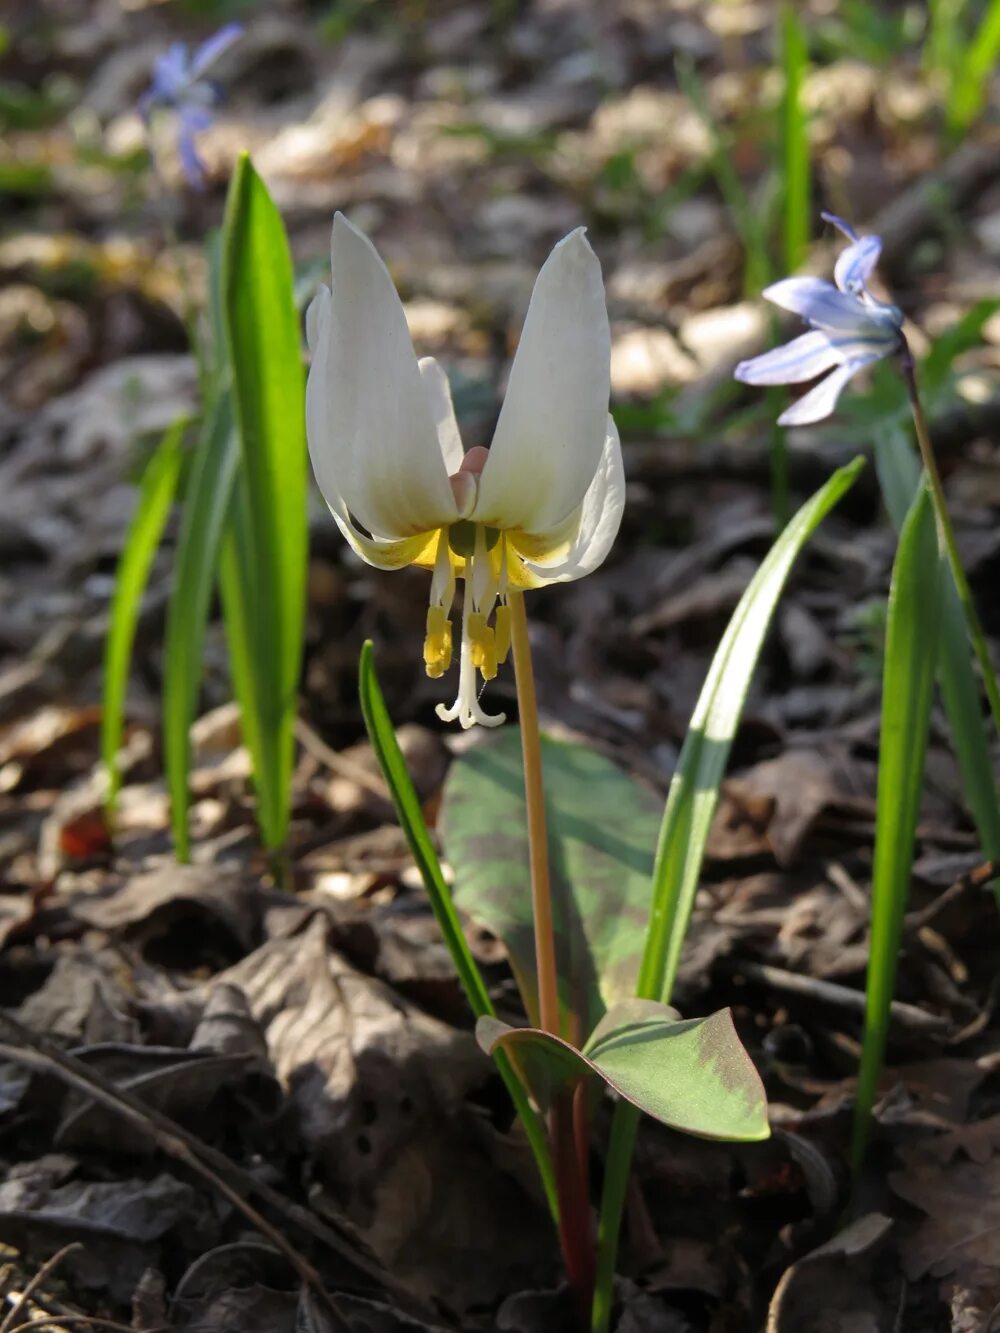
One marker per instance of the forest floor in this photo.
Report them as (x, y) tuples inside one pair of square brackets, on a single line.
[(312, 1050)]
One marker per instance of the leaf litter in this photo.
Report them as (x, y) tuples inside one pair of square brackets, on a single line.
[(318, 1044)]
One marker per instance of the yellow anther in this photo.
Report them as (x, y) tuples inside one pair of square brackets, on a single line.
[(501, 631), (479, 634), (437, 644)]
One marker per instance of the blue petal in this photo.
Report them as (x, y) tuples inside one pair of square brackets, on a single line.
[(170, 74), (191, 163), (802, 359), (841, 225), (820, 303), (213, 47), (854, 265), (195, 118), (820, 402)]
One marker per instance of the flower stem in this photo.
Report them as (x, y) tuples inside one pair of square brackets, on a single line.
[(946, 535), (567, 1118), (534, 796)]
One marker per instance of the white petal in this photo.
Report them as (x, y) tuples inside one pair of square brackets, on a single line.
[(438, 392), (820, 303), (820, 402), (802, 359), (854, 265), (551, 430), (382, 554), (599, 518), (372, 438)]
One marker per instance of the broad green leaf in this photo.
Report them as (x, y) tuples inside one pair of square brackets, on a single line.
[(694, 791), (601, 829), (899, 476), (411, 818), (265, 360), (691, 802), (206, 503), (156, 497), (691, 1074), (911, 652)]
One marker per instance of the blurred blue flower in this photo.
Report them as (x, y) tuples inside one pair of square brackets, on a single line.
[(179, 83), (850, 328)]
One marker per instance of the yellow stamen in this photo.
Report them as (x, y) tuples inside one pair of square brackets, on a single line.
[(437, 644), (482, 645), (501, 631)]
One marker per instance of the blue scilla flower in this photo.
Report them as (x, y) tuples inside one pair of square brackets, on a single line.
[(179, 83), (849, 329)]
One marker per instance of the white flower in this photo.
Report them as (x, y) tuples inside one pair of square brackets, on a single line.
[(850, 329), (541, 506)]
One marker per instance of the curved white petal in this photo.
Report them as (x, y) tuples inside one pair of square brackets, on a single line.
[(598, 520), (820, 303), (442, 410), (551, 430), (372, 437), (820, 402), (383, 554), (802, 359), (854, 265)]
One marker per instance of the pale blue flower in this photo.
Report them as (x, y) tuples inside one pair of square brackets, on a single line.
[(849, 329), (179, 83)]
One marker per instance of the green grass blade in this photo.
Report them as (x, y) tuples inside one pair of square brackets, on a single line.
[(262, 332), (899, 476), (156, 498), (972, 72), (205, 507), (691, 802), (795, 141), (407, 803), (749, 219), (694, 790), (907, 696)]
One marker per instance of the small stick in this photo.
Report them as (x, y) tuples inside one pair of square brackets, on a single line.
[(38, 1053), (47, 1269), (828, 992)]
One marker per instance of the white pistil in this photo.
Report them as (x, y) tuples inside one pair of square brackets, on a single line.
[(466, 709)]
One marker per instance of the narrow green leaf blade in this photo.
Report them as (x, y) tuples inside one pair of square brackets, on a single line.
[(691, 1074), (907, 696), (694, 791), (407, 803), (156, 498), (599, 867), (411, 818), (899, 476), (269, 399), (795, 140), (206, 503)]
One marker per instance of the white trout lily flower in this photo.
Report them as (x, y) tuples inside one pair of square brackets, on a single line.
[(849, 329), (542, 505)]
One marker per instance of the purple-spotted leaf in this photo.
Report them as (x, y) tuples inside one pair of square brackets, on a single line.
[(691, 1074), (602, 829)]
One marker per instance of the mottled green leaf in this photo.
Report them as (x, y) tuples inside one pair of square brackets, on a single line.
[(602, 829), (692, 1074)]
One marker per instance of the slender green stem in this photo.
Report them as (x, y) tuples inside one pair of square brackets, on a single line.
[(946, 535), (624, 1126), (565, 1127), (534, 797)]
